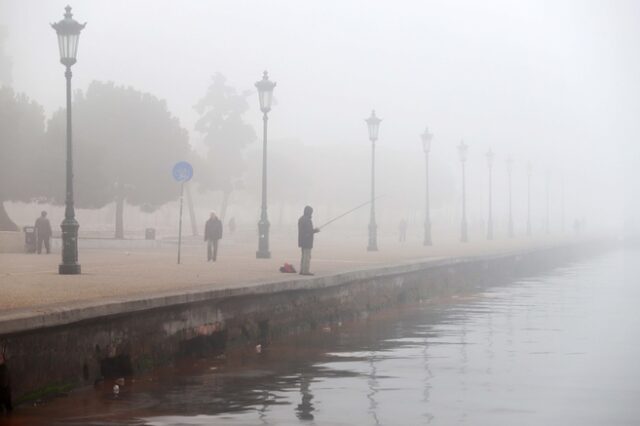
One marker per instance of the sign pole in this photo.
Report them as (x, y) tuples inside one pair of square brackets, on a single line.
[(182, 172), (180, 223)]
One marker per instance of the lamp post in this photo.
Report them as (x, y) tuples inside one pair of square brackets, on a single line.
[(509, 171), (265, 94), (529, 169), (373, 124), (426, 146), (68, 31), (462, 151)]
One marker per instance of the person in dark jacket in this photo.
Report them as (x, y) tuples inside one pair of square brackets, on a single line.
[(305, 239), (212, 234), (43, 233), (5, 385)]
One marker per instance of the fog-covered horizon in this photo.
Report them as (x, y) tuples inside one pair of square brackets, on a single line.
[(554, 83)]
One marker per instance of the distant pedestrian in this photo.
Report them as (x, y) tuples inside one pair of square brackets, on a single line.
[(402, 231), (305, 239), (43, 233), (232, 225), (212, 234), (5, 385)]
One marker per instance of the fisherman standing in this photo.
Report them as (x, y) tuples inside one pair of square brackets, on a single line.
[(212, 234), (305, 239), (43, 233)]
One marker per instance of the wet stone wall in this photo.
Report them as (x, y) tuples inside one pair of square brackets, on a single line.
[(55, 359)]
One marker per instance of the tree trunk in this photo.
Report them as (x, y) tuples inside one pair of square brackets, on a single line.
[(225, 204), (119, 234), (6, 224)]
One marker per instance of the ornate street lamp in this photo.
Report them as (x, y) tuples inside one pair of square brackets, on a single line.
[(509, 171), (490, 157), (462, 151), (373, 123), (426, 146), (529, 170), (68, 31), (265, 94)]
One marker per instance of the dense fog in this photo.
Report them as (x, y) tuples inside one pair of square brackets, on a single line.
[(553, 84)]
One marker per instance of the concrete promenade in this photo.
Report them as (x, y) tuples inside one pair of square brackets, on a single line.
[(137, 309), (30, 283)]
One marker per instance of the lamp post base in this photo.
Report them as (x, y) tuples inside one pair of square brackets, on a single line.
[(69, 269), (69, 265), (263, 255), (263, 240), (373, 238)]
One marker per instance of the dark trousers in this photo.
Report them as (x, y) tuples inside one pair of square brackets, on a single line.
[(39, 242), (212, 250), (305, 260)]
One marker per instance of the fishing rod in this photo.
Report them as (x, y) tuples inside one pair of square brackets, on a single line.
[(350, 211)]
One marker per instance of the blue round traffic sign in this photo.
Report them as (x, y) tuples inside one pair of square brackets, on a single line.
[(182, 171)]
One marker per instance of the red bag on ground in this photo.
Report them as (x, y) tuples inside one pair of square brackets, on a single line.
[(287, 268)]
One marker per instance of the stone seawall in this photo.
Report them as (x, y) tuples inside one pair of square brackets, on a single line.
[(58, 348)]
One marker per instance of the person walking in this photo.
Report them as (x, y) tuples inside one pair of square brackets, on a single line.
[(305, 239), (43, 233), (212, 234)]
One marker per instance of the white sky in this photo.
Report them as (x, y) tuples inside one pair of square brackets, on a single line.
[(556, 82)]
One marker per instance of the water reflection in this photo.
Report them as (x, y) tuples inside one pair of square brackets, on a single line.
[(372, 382), (533, 352), (304, 410), (428, 376)]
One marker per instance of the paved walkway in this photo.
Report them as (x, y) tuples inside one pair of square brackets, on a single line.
[(32, 282)]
